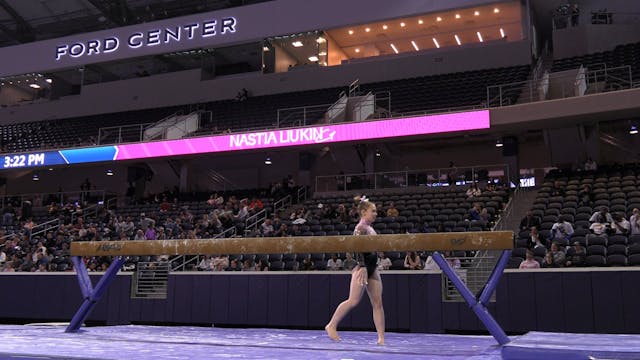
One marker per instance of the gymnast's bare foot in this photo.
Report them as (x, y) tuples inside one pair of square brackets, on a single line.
[(332, 332), (380, 341)]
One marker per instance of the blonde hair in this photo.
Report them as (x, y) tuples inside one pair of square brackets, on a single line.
[(363, 203)]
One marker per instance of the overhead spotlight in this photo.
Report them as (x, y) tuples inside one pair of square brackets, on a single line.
[(35, 177), (438, 18), (313, 58), (267, 161), (415, 46), (502, 32), (476, 13), (50, 169), (320, 40), (35, 86), (297, 44), (402, 24), (350, 32), (496, 10), (49, 80), (264, 48), (479, 36), (367, 29), (322, 53), (378, 153), (499, 143), (109, 172), (357, 50), (384, 27), (436, 43), (420, 22), (633, 130), (395, 50), (457, 16)]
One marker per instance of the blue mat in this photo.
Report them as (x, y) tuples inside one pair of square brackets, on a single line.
[(565, 346), (160, 342)]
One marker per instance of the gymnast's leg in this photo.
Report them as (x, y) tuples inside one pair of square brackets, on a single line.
[(374, 290), (356, 290)]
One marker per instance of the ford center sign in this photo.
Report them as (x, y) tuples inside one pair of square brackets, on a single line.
[(151, 37)]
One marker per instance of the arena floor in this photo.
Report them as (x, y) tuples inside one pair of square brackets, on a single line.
[(156, 342)]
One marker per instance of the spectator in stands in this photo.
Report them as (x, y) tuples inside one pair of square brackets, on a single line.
[(557, 189), (548, 262), (8, 214), (256, 205), (3, 258), (247, 266), (474, 212), (473, 191), (384, 263), (220, 263), (601, 216), (150, 234), (558, 255), (392, 211), (243, 212), (342, 214), (282, 231), (205, 264), (146, 221), (620, 225), (267, 228), (529, 221), (349, 262), (431, 264), (597, 229), (452, 260), (561, 230), (590, 165), (334, 263), (529, 262), (579, 256), (484, 215), (412, 261), (575, 15), (307, 264), (536, 239), (165, 205), (139, 235), (233, 266), (585, 196), (634, 222)]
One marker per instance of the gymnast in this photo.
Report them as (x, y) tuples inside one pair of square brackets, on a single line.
[(364, 276)]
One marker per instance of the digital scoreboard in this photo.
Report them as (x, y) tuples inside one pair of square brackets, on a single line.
[(276, 138)]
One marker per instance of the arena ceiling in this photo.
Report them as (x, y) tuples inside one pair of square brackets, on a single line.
[(23, 21)]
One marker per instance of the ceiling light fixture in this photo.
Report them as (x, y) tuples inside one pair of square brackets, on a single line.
[(502, 32), (384, 27), (394, 48), (420, 22), (457, 39), (415, 46), (436, 42), (633, 130), (49, 80), (402, 24), (109, 172), (313, 58), (350, 32), (438, 18), (479, 36), (476, 13), (320, 40), (367, 29), (496, 10), (264, 48), (297, 44), (35, 86), (357, 50), (322, 53), (457, 16), (499, 143), (267, 161)]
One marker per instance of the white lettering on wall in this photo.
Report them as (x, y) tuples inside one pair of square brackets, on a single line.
[(153, 37), (282, 137)]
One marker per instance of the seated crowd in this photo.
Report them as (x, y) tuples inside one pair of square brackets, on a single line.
[(591, 218), (171, 215)]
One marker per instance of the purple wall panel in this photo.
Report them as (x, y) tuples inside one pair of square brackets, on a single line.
[(238, 299), (218, 298), (549, 302), (257, 312), (319, 309), (521, 298), (630, 301), (577, 294), (277, 300), (418, 302), (298, 300), (607, 298)]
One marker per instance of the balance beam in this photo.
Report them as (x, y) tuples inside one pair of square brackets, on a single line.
[(481, 240)]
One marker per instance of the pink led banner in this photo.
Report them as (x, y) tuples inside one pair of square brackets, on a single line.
[(421, 125)]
